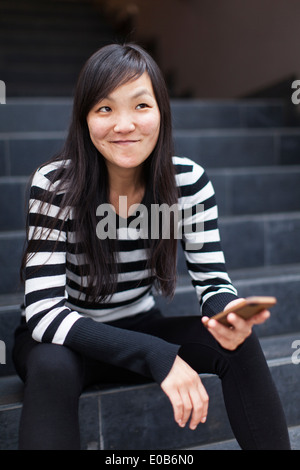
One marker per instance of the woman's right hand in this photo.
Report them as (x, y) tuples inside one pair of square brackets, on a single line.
[(187, 394)]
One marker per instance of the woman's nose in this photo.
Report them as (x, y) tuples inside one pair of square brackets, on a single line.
[(124, 124)]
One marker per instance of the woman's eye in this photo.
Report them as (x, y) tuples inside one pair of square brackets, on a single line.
[(104, 109), (142, 106)]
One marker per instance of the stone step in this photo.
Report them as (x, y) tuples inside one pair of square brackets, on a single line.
[(232, 148), (13, 202), (52, 114), (244, 191), (22, 152), (257, 240), (191, 114), (231, 444), (38, 34), (106, 410), (256, 190)]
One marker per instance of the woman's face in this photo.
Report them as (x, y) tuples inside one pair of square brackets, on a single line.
[(124, 126)]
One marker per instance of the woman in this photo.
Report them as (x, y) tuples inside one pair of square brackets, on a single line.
[(89, 309)]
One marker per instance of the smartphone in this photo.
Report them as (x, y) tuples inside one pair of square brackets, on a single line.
[(247, 308)]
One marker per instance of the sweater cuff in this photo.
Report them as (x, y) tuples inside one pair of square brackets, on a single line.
[(216, 303), (142, 353)]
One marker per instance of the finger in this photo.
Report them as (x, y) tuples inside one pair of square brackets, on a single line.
[(238, 322), (187, 401), (234, 303), (205, 400), (218, 330), (260, 317), (200, 401), (178, 407), (228, 338)]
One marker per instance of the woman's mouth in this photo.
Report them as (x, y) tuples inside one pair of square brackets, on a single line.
[(124, 142)]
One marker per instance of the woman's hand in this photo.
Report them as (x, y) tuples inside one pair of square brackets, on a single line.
[(230, 338), (188, 396)]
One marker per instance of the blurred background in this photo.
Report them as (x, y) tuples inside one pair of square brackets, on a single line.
[(229, 67), (219, 49)]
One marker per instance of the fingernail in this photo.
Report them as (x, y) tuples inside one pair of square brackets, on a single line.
[(181, 424), (193, 427), (203, 420)]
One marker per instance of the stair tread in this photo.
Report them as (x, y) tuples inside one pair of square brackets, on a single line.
[(256, 273), (231, 444), (190, 133)]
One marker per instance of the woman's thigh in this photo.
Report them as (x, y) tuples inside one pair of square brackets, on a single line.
[(198, 347), (47, 365)]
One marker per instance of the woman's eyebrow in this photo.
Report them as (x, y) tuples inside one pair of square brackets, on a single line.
[(137, 94), (141, 92)]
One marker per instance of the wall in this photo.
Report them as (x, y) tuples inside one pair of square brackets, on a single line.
[(222, 48)]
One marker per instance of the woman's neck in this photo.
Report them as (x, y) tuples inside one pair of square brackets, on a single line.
[(129, 183)]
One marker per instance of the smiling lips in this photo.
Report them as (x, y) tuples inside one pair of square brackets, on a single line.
[(124, 142)]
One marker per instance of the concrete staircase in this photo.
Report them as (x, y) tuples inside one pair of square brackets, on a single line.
[(251, 150), (43, 44)]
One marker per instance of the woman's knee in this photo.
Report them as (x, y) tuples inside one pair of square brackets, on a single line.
[(53, 366)]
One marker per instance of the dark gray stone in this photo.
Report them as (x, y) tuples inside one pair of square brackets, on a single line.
[(268, 114), (258, 193), (9, 425), (201, 114), (11, 249), (3, 166), (290, 148), (35, 115), (192, 114), (151, 420), (282, 240), (12, 204), (26, 155), (9, 320), (89, 421), (226, 149), (242, 242)]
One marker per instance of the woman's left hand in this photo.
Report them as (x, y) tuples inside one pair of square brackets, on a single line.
[(230, 338)]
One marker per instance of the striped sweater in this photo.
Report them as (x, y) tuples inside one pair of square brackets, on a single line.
[(57, 312)]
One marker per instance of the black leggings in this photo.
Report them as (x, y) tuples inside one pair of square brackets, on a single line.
[(55, 376)]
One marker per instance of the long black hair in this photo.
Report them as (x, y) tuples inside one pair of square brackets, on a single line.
[(84, 180)]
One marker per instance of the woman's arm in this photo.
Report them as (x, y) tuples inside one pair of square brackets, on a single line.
[(202, 247)]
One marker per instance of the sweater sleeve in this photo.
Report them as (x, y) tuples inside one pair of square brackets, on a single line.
[(50, 320), (201, 240)]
